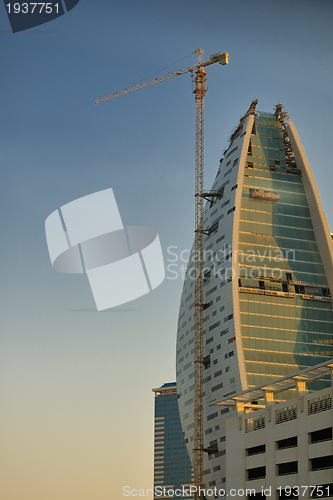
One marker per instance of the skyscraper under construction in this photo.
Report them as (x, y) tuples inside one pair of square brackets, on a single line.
[(267, 278)]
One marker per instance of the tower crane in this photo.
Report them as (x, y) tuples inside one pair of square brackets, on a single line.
[(198, 75)]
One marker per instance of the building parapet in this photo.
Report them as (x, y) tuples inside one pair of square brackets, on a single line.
[(262, 396)]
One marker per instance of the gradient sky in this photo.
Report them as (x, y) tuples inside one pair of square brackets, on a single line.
[(76, 411)]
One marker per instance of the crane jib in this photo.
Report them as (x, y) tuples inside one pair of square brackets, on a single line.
[(222, 58)]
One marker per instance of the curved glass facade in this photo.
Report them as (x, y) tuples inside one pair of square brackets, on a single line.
[(293, 329), (268, 310)]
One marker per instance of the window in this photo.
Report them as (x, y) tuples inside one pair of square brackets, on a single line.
[(256, 473), (322, 463), (229, 355), (233, 339), (287, 468), (211, 290), (234, 187), (231, 210), (216, 387), (220, 239), (256, 450), (321, 435), (235, 162), (286, 443)]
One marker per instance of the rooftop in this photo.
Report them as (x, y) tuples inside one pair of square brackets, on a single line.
[(298, 380)]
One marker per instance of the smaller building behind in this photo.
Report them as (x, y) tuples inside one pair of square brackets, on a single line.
[(172, 466)]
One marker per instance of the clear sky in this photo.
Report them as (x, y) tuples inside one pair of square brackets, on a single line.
[(76, 410)]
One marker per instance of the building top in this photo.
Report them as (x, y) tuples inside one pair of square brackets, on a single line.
[(296, 380), (166, 389)]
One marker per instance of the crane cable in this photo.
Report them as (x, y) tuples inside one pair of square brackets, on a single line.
[(166, 67)]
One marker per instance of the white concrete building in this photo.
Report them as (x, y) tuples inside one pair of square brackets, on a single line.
[(283, 449)]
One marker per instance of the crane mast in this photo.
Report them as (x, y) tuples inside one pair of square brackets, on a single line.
[(199, 92)]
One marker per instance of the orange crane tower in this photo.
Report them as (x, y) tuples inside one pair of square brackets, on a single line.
[(199, 76)]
